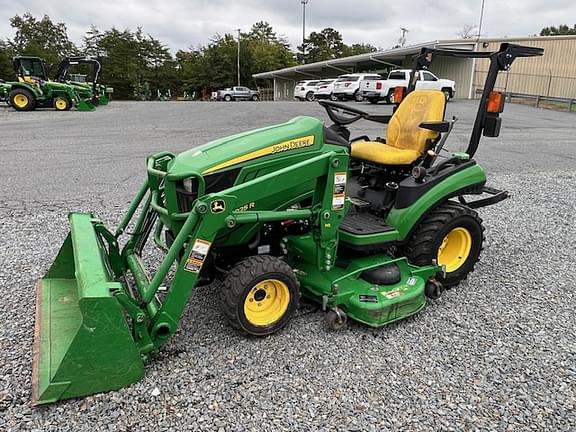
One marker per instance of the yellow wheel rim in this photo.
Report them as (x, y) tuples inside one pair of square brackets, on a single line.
[(266, 302), (455, 249), (20, 100), (61, 104)]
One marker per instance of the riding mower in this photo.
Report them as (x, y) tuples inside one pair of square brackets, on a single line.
[(34, 89), (367, 229), (98, 93)]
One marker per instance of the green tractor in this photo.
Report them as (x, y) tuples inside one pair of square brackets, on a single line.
[(367, 229), (34, 89), (98, 93), (5, 91)]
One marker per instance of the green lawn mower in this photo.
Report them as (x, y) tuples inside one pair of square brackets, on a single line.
[(34, 89), (368, 229), (98, 93)]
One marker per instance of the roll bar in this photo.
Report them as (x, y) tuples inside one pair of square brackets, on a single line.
[(69, 61), (500, 60)]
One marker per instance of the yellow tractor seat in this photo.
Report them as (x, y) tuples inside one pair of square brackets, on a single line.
[(405, 139), (383, 154)]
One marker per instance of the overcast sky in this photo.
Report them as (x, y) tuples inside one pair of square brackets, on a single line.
[(184, 23)]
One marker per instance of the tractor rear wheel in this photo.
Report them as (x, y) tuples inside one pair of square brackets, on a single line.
[(260, 294), (60, 103), (452, 234), (22, 99)]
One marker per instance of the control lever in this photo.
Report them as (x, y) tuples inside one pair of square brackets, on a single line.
[(442, 141), (419, 171)]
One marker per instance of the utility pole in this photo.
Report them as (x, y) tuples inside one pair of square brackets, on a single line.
[(403, 38), (238, 57), (304, 3), (481, 19)]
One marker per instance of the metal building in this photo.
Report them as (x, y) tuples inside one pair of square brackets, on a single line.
[(553, 75)]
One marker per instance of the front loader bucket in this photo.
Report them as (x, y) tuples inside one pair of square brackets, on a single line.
[(83, 343), (85, 105)]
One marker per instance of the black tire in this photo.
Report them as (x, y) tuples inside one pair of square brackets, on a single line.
[(390, 97), (254, 98), (310, 96), (242, 285), (373, 100), (447, 94), (358, 96), (228, 98), (336, 319), (333, 98), (428, 238), (21, 92)]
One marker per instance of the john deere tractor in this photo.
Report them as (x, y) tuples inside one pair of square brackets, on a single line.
[(98, 93), (367, 228), (34, 89), (4, 91)]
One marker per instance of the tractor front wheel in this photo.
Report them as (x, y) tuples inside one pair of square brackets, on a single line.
[(452, 234), (22, 100), (260, 294), (61, 103)]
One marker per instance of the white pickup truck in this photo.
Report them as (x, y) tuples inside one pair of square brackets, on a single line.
[(379, 90)]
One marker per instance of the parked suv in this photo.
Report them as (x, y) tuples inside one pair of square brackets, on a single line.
[(347, 86), (304, 90), (324, 89)]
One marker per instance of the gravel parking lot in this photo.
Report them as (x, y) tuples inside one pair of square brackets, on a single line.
[(496, 353)]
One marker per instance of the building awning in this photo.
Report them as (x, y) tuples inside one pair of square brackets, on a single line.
[(391, 57)]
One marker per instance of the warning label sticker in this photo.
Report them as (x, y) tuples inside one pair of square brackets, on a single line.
[(391, 294), (339, 183), (339, 193), (197, 256)]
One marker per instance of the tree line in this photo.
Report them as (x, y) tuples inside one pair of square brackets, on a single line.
[(138, 65)]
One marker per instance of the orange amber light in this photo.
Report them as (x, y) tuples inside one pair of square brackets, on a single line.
[(495, 102)]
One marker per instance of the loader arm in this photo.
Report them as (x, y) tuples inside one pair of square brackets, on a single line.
[(87, 293)]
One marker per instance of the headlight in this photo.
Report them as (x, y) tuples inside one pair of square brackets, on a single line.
[(188, 184)]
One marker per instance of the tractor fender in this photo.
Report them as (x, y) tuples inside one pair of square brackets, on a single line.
[(36, 90), (470, 179)]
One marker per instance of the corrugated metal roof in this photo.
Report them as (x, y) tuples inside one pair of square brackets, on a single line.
[(379, 56)]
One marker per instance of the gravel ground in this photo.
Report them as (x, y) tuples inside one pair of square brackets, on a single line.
[(496, 353)]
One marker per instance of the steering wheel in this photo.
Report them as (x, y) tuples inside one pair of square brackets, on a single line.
[(335, 111)]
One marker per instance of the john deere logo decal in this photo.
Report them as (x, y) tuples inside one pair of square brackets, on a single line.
[(218, 206)]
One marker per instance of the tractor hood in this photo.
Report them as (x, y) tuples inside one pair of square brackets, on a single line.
[(297, 135), (59, 86)]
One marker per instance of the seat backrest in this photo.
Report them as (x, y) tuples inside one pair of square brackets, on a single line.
[(419, 106)]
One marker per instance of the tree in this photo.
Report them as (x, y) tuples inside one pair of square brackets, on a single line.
[(92, 40), (214, 65), (6, 54), (469, 31), (41, 38), (355, 49), (324, 45), (562, 29)]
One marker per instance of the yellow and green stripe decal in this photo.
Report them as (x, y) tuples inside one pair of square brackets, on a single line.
[(293, 144)]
